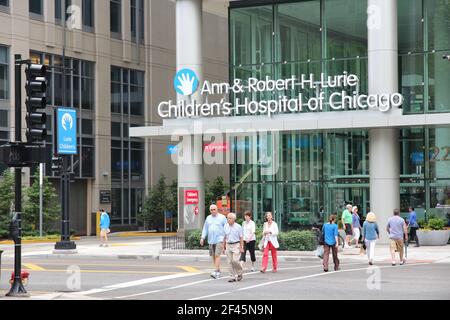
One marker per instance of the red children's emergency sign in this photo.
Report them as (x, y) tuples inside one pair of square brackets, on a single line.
[(190, 196)]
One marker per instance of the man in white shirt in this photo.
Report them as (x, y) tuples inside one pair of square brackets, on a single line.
[(234, 246)]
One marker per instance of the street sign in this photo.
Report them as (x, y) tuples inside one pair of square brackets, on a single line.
[(196, 210), (66, 131), (191, 197), (105, 196)]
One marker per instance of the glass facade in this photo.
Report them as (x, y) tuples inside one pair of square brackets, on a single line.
[(80, 94), (127, 154), (304, 176)]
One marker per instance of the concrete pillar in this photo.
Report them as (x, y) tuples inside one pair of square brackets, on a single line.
[(189, 55), (383, 142)]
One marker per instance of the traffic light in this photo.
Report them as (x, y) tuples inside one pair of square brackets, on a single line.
[(36, 88), (56, 165)]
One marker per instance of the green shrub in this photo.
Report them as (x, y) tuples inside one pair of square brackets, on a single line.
[(436, 224), (297, 241), (422, 223), (193, 240)]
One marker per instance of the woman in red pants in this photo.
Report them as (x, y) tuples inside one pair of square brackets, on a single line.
[(270, 231)]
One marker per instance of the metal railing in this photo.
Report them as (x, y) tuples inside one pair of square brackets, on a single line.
[(174, 242)]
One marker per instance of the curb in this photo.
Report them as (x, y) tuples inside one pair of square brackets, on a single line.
[(38, 241)]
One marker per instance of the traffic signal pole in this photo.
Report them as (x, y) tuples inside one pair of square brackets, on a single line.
[(17, 288)]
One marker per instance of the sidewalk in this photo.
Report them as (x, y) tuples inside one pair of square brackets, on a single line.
[(150, 248)]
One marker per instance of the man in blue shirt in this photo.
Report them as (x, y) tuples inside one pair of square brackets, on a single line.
[(214, 230), (413, 225)]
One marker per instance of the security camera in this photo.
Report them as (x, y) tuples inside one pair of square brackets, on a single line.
[(446, 57)]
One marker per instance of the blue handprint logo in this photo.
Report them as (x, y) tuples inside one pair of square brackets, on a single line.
[(185, 82)]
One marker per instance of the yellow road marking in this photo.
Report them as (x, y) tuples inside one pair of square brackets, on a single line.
[(33, 267), (189, 269), (119, 245), (103, 271)]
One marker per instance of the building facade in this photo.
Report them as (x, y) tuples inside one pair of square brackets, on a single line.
[(322, 170), (306, 164), (119, 58)]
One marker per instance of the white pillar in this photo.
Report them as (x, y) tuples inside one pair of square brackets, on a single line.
[(189, 55), (383, 142)]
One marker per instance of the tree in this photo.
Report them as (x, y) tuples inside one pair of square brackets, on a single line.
[(214, 191), (155, 205), (51, 208), (6, 201), (172, 204)]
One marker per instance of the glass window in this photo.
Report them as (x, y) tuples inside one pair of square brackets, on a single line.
[(439, 152), (438, 83), (410, 26), (4, 118), (87, 126), (438, 13), (115, 129), (412, 154), (88, 13), (137, 20), (440, 200), (4, 3), (299, 31), (4, 76), (35, 6), (115, 16), (346, 22), (412, 82), (251, 35), (58, 9), (67, 13)]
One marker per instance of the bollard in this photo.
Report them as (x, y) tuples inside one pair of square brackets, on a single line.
[(1, 251)]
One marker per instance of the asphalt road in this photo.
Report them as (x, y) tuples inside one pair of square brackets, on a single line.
[(167, 280)]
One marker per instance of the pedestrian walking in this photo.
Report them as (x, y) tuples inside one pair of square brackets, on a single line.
[(356, 225), (396, 227), (214, 230), (249, 239), (370, 234), (330, 231), (347, 221), (104, 228), (413, 226), (233, 243), (270, 234)]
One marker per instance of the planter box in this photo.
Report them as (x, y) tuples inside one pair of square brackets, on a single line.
[(433, 237)]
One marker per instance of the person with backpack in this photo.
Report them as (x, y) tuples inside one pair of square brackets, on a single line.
[(370, 234), (331, 243)]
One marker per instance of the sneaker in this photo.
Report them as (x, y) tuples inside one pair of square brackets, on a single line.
[(218, 275), (214, 275), (325, 270), (370, 262), (403, 262), (232, 280), (252, 269), (239, 278), (393, 263), (262, 270)]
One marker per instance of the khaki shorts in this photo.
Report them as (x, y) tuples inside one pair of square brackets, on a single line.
[(216, 249), (396, 245)]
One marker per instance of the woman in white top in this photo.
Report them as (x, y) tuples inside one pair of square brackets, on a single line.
[(270, 233), (249, 239)]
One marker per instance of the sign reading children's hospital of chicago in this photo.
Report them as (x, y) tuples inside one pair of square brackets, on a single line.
[(293, 95)]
